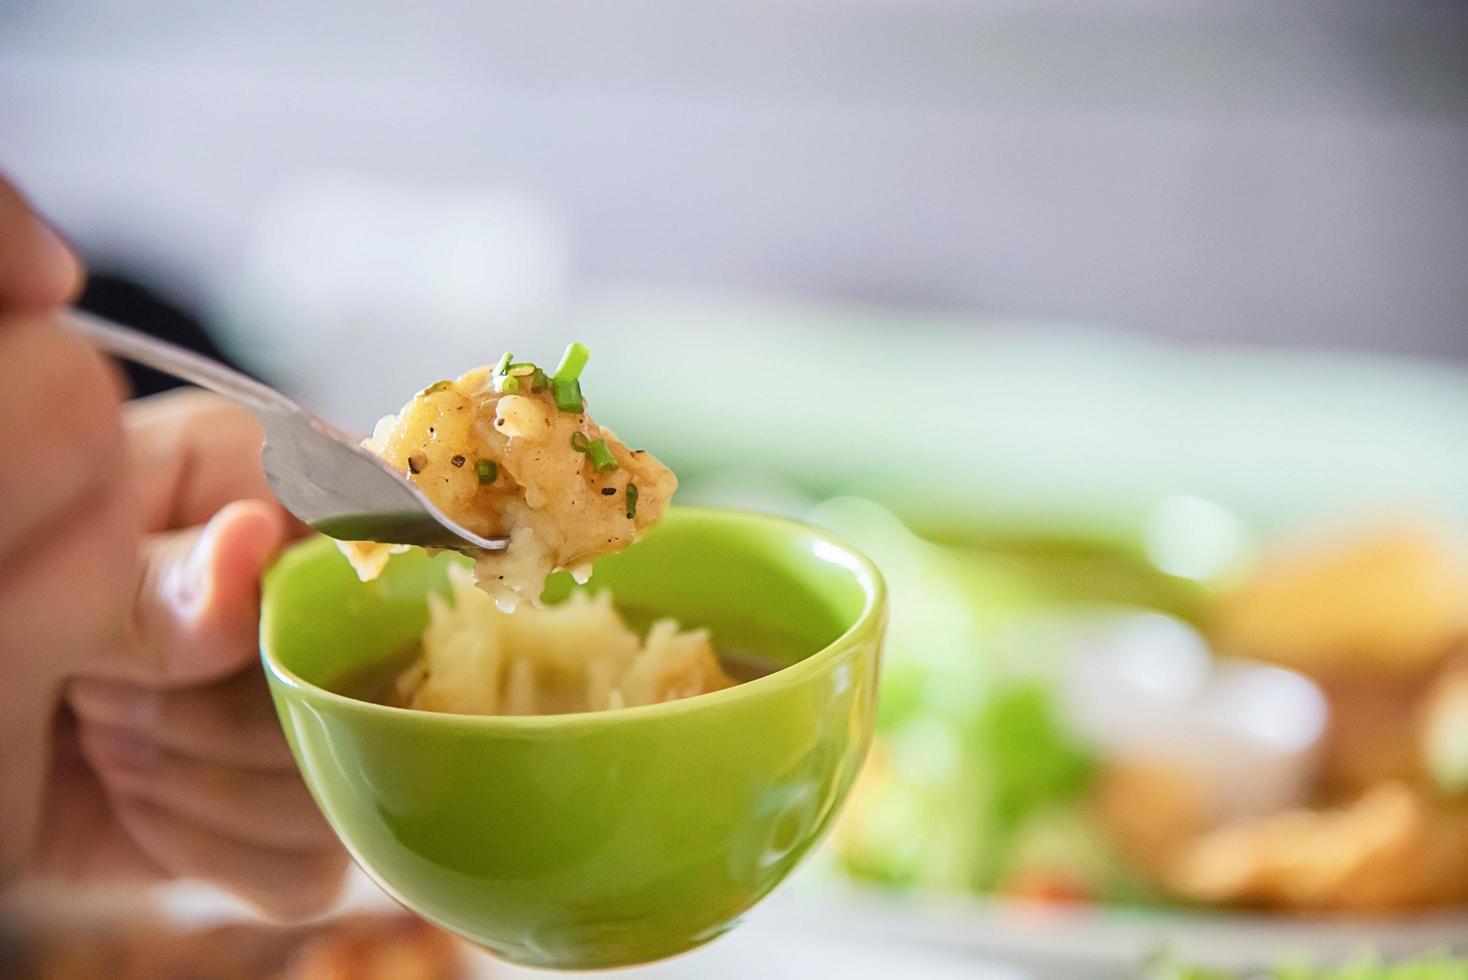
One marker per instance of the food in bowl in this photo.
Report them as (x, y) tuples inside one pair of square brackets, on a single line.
[(510, 450), (578, 655)]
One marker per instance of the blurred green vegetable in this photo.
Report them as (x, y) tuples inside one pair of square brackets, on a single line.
[(1366, 967), (1029, 760), (978, 784), (1023, 765)]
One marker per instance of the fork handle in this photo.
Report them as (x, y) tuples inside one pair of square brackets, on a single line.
[(171, 359)]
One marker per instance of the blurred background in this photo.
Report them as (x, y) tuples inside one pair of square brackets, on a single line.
[(1131, 338)]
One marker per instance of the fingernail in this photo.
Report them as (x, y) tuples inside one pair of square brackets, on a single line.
[(183, 587), (195, 584)]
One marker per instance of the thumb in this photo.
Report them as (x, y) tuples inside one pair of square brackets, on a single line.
[(196, 608)]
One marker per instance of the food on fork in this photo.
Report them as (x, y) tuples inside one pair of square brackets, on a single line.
[(509, 450)]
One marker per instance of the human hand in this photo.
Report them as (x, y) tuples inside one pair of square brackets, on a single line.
[(168, 760)]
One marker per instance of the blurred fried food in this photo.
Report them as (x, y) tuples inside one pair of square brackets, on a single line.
[(1371, 615), (399, 947), (1152, 812), (366, 947), (1373, 734), (1382, 600), (1393, 848), (1378, 618)]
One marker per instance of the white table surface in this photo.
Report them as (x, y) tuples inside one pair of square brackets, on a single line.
[(769, 945)]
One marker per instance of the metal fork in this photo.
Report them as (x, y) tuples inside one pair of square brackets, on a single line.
[(318, 472)]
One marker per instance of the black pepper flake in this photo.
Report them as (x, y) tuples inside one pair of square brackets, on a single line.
[(416, 462), (457, 461), (499, 421), (608, 491)]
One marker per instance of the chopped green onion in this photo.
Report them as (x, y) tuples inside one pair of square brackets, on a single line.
[(437, 386), (567, 392), (539, 382), (504, 363), (631, 501), (507, 384), (579, 442), (601, 457), (487, 471), (520, 370), (572, 362)]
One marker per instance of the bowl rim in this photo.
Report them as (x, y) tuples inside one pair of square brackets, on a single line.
[(870, 619)]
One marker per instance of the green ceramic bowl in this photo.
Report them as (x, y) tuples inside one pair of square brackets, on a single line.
[(600, 839)]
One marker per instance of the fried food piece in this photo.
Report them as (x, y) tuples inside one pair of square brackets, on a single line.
[(1393, 848), (1386, 600), (378, 948), (1152, 812), (1371, 616), (1373, 734), (505, 450)]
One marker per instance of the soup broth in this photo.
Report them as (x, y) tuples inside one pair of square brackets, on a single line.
[(378, 682)]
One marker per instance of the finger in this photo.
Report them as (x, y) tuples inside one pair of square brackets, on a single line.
[(192, 452), (79, 839), (232, 723), (60, 426), (282, 884), (37, 268), (267, 809), (196, 604)]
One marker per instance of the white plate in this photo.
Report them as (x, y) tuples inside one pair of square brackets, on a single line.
[(1101, 942)]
